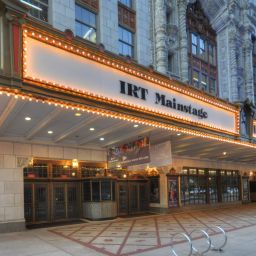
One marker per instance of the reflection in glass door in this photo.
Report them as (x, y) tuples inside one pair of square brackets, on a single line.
[(59, 205), (41, 202)]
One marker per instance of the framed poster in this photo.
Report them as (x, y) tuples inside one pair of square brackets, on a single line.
[(173, 191)]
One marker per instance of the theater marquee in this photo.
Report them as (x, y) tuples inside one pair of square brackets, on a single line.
[(50, 61)]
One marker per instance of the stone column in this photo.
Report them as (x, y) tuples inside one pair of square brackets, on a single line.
[(234, 92), (248, 69), (160, 35), (11, 191), (182, 9)]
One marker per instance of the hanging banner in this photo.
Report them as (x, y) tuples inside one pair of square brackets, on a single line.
[(128, 154)]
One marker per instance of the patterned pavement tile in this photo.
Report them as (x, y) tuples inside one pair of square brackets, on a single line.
[(125, 237)]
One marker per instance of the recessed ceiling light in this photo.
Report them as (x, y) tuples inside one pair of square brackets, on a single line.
[(136, 125), (224, 153), (78, 114), (92, 129), (178, 134), (102, 139), (50, 132), (27, 118)]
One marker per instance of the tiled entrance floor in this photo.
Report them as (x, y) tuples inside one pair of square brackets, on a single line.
[(143, 236), (131, 236)]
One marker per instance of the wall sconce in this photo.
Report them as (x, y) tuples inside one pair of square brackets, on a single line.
[(74, 163), (31, 162)]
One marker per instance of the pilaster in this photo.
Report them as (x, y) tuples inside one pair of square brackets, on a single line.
[(160, 36), (182, 8)]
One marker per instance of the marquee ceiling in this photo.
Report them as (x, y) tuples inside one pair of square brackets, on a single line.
[(53, 125)]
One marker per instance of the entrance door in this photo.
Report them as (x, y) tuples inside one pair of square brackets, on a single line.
[(133, 197), (66, 200), (49, 202), (36, 202)]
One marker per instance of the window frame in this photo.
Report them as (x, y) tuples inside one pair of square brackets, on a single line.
[(77, 4), (126, 43), (40, 2), (130, 5)]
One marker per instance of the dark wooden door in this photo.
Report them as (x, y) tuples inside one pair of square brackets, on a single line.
[(133, 197)]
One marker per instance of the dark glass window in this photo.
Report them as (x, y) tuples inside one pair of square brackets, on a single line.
[(37, 171), (204, 82), (95, 191), (105, 190), (128, 3), (195, 77), (99, 190), (202, 48), (85, 24), (212, 86), (194, 43), (38, 8), (154, 189), (212, 54), (230, 186), (126, 42)]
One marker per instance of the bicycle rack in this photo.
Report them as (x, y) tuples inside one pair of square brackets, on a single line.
[(208, 240), (188, 240), (219, 248), (193, 250)]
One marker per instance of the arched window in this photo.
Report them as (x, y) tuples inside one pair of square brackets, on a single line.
[(202, 50)]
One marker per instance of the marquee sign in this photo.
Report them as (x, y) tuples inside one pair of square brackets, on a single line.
[(54, 62)]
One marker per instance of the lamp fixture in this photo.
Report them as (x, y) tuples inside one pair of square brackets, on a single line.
[(27, 118), (74, 164), (50, 132), (78, 114), (135, 125), (102, 139), (91, 129), (224, 153)]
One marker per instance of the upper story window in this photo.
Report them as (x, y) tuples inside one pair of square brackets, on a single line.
[(126, 42), (38, 8), (86, 24), (202, 48), (127, 3)]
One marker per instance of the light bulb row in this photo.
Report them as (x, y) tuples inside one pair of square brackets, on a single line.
[(106, 99), (110, 114), (122, 66)]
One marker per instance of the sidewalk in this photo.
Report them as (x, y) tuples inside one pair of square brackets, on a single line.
[(144, 236)]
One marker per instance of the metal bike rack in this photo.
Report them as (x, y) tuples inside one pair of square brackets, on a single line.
[(193, 250), (219, 248), (208, 240), (188, 240)]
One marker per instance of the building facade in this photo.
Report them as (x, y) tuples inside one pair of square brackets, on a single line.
[(111, 108)]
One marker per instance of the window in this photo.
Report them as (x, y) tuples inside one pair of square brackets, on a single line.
[(154, 182), (85, 24), (128, 3), (212, 86), (202, 48), (211, 54), (96, 190), (204, 82), (38, 8), (195, 78), (194, 44), (126, 42)]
